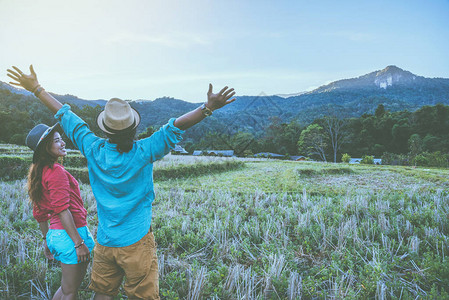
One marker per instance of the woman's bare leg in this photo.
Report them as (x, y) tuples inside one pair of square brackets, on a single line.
[(72, 276)]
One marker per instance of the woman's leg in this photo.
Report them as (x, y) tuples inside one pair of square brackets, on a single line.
[(72, 276)]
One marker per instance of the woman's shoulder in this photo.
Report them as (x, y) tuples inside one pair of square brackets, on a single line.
[(53, 170)]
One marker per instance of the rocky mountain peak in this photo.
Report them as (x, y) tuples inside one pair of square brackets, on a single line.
[(382, 79), (392, 75)]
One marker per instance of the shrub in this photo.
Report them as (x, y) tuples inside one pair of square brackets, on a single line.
[(18, 139), (75, 161), (307, 172), (198, 169), (248, 153), (435, 159), (421, 160), (395, 159), (332, 171), (14, 167), (324, 171), (179, 171), (346, 158), (80, 174), (367, 159)]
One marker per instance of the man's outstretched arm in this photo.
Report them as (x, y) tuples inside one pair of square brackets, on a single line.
[(214, 102)]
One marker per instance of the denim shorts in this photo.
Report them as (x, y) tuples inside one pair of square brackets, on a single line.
[(63, 248)]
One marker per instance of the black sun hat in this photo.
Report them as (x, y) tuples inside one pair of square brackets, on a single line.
[(35, 138)]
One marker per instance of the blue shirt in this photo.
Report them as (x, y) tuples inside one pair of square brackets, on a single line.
[(122, 183)]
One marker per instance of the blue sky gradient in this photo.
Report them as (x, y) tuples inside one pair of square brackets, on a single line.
[(148, 49)]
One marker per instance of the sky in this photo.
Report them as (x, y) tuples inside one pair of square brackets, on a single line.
[(145, 49)]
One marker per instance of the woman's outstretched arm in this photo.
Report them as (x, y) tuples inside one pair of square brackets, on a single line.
[(30, 83)]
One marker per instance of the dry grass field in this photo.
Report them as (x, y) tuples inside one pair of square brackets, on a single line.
[(268, 230)]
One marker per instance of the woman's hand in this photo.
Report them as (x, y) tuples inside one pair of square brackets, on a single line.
[(83, 253), (47, 252), (216, 101), (28, 82)]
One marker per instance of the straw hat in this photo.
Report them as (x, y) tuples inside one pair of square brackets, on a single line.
[(36, 136), (118, 115)]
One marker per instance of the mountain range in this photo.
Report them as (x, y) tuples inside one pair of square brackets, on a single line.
[(395, 88)]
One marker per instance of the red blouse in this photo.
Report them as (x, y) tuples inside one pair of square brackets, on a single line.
[(60, 191)]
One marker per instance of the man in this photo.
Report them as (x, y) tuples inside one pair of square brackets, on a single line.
[(121, 176)]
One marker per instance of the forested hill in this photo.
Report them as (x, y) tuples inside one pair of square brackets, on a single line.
[(393, 87)]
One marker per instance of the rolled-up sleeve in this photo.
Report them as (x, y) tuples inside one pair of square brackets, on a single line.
[(161, 142), (41, 215), (58, 186), (76, 129)]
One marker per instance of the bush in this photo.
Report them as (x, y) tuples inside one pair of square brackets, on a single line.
[(367, 160), (179, 171), (435, 159), (182, 171), (75, 161), (307, 172), (14, 167), (395, 159), (346, 158), (424, 159), (18, 139), (333, 171), (324, 171), (421, 160), (80, 174)]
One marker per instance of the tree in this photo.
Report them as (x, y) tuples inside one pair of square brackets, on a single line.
[(241, 142), (312, 141), (334, 128), (147, 133), (380, 111), (289, 137), (400, 133), (415, 145)]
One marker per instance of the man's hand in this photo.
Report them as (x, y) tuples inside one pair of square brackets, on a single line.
[(216, 101), (28, 82)]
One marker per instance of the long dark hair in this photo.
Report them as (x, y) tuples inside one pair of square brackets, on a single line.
[(45, 158), (123, 139)]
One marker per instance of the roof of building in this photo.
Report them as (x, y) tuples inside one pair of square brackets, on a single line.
[(179, 149), (214, 152), (297, 157)]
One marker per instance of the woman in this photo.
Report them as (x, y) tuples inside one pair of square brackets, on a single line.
[(56, 197), (121, 177)]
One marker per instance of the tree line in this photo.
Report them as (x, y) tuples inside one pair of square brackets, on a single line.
[(398, 137), (402, 137)]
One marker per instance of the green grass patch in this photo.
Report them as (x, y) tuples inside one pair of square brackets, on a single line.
[(175, 171), (268, 231), (197, 169)]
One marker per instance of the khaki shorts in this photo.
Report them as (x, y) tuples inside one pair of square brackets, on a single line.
[(137, 262)]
